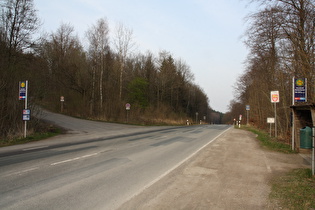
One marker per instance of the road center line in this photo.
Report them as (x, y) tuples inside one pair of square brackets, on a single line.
[(73, 159), (85, 156), (22, 172), (30, 169)]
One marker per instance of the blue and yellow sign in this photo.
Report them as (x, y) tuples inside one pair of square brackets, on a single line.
[(300, 90), (22, 90)]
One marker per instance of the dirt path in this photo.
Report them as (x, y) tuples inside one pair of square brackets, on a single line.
[(231, 173)]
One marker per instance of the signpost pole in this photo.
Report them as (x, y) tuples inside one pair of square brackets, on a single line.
[(275, 99), (276, 120), (247, 113), (23, 95), (25, 121), (270, 120), (196, 118), (127, 111), (127, 116), (62, 100)]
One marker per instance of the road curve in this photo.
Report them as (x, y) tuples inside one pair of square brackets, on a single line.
[(97, 165)]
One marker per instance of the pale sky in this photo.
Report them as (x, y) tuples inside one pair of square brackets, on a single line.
[(206, 34)]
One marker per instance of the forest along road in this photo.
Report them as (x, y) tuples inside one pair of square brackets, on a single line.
[(96, 165)]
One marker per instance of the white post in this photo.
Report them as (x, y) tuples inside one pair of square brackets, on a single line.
[(25, 121), (275, 98), (275, 120)]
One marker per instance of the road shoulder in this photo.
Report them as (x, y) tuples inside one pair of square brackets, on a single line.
[(233, 172)]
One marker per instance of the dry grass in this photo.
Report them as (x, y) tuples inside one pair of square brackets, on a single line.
[(295, 190)]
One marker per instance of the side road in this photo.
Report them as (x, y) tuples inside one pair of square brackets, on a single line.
[(233, 172)]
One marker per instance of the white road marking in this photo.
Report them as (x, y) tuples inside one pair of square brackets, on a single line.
[(53, 164), (30, 169), (73, 159), (85, 156), (22, 172)]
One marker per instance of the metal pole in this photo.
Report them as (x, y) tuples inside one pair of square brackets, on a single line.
[(276, 120), (25, 122), (197, 118), (248, 117), (61, 108)]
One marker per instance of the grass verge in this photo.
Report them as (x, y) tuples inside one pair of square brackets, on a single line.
[(269, 142), (295, 190), (34, 137)]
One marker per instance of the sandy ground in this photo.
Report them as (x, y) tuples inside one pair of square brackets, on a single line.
[(233, 172)]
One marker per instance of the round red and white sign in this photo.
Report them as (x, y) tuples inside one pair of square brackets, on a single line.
[(127, 106)]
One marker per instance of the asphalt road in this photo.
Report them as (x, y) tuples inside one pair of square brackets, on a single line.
[(97, 165)]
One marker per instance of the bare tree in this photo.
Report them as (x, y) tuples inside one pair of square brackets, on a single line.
[(19, 22), (124, 44), (281, 42), (99, 47), (263, 39), (298, 29), (66, 65)]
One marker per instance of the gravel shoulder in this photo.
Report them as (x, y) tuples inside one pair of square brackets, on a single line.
[(232, 172)]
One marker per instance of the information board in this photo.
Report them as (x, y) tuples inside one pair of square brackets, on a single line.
[(300, 90)]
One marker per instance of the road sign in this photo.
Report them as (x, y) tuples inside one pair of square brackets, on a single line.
[(300, 90), (62, 98), (247, 107), (26, 111), (22, 90), (270, 120), (128, 106), (26, 114), (274, 95)]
